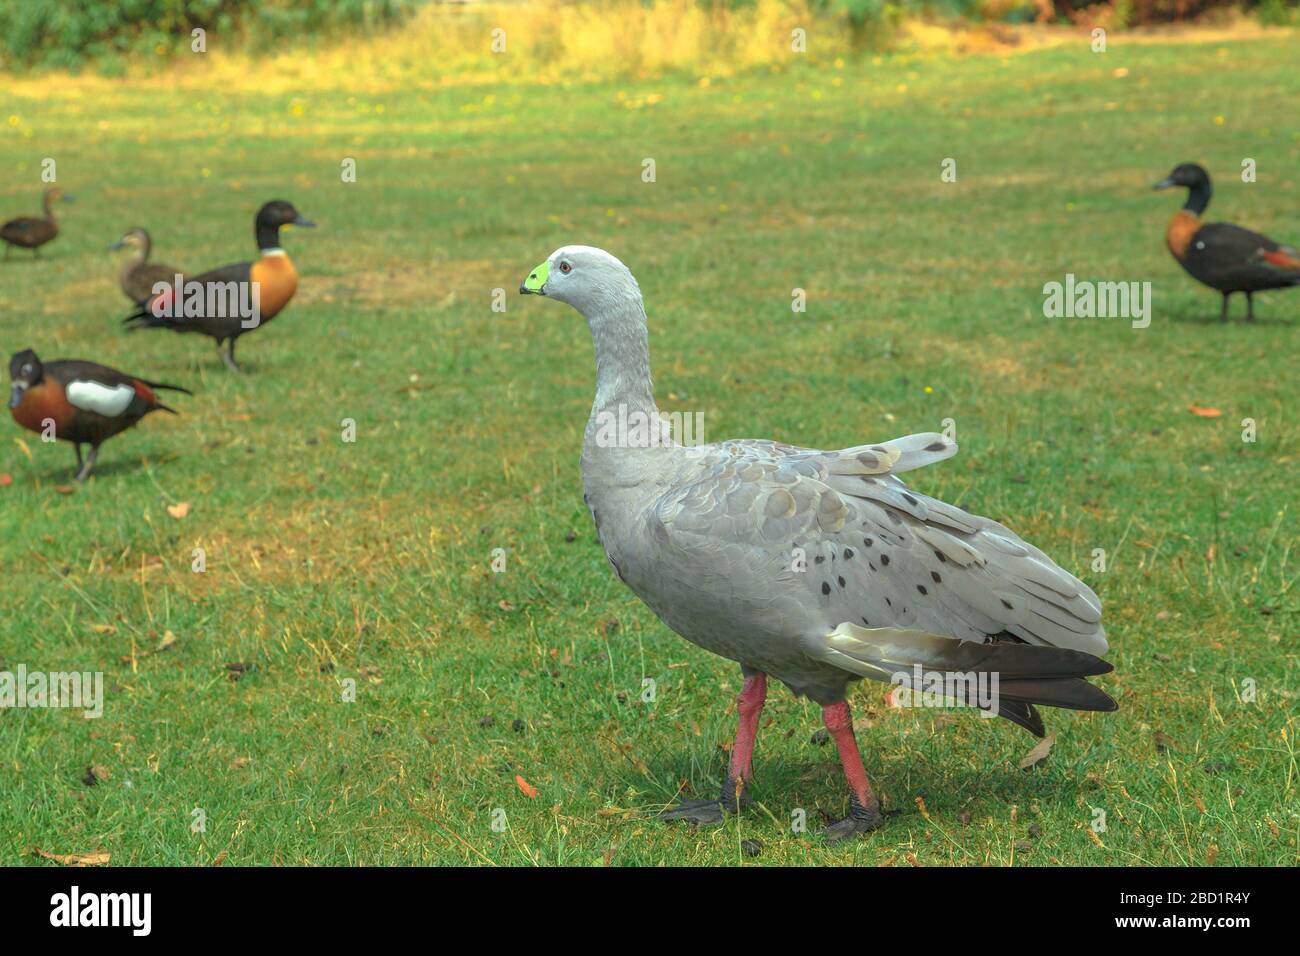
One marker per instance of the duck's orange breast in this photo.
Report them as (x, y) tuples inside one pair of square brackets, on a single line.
[(43, 402), (277, 280), (1179, 232)]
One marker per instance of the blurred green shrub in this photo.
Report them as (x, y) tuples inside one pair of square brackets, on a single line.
[(874, 19), (1279, 13), (65, 33)]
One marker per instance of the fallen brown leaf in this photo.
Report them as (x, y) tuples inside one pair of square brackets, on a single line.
[(1204, 412), (527, 788), (98, 858), (179, 510), (1040, 751)]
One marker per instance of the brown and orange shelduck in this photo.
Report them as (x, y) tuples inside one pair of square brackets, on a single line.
[(231, 301), (80, 402), (29, 232), (137, 276), (1223, 256)]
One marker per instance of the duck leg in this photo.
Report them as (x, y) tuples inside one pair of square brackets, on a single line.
[(749, 706), (1223, 315), (1250, 307), (864, 809), (228, 359), (89, 466), (77, 447)]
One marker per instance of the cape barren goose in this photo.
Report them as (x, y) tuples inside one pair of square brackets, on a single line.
[(1220, 255), (714, 539)]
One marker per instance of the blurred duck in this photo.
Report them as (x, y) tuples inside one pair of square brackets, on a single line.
[(1220, 255), (80, 402), (233, 300), (29, 232), (137, 275)]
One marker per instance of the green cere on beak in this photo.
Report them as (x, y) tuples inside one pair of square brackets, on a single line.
[(536, 280)]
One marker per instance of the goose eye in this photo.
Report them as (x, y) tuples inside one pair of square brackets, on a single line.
[(565, 268)]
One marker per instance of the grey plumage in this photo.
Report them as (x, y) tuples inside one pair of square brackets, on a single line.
[(815, 567)]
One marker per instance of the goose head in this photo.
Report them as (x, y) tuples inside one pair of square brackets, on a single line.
[(589, 279)]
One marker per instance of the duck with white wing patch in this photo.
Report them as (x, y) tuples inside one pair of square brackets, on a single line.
[(78, 401)]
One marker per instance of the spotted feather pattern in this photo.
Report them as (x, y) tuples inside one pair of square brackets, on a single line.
[(761, 550)]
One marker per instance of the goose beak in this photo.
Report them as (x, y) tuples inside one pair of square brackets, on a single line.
[(16, 394), (535, 284), (1165, 183)]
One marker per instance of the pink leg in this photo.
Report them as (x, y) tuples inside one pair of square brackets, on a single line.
[(864, 808), (701, 812), (750, 706)]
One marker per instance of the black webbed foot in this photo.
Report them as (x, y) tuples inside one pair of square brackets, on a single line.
[(706, 813), (859, 820)]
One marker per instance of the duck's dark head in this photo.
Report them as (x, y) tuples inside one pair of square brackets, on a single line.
[(135, 239), (1188, 175), (1195, 180), (25, 370), (272, 217)]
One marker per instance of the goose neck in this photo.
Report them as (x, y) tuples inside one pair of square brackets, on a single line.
[(618, 332)]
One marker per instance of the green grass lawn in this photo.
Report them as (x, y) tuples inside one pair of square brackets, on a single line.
[(370, 561)]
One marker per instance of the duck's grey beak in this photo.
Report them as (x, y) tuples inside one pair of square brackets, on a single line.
[(300, 221), (1165, 183), (68, 197), (117, 245), (16, 394)]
